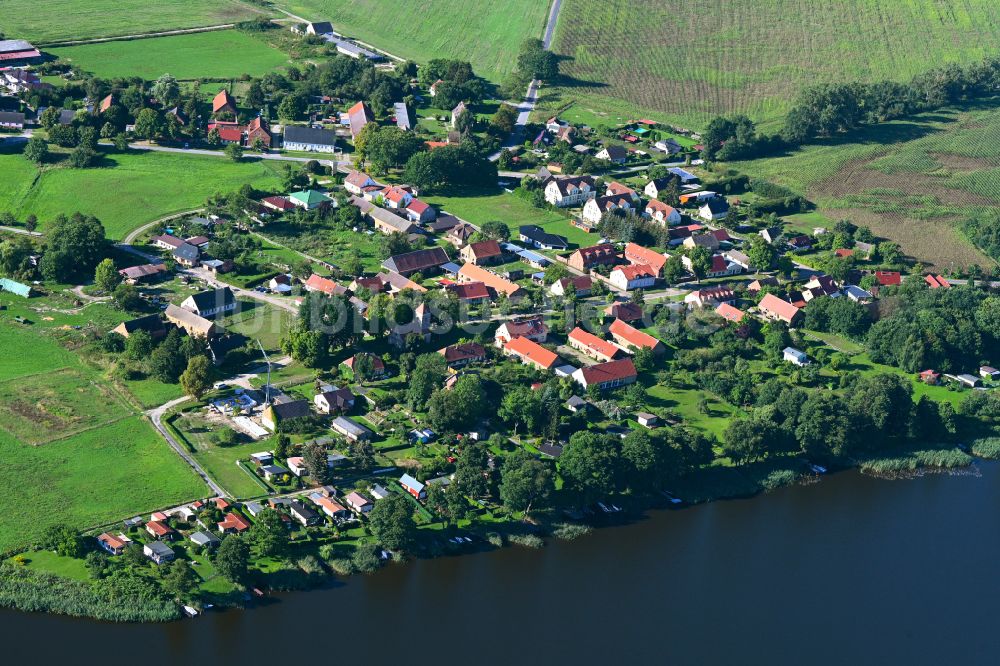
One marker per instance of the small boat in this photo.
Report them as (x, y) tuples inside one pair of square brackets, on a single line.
[(670, 496), (817, 469), (258, 592), (190, 611)]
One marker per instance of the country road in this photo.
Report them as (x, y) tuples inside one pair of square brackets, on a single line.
[(525, 108), (246, 156), (156, 416)]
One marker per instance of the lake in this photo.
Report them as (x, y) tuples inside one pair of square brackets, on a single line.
[(849, 570)]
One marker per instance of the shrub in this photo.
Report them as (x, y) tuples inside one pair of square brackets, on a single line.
[(570, 531), (527, 540), (987, 447)]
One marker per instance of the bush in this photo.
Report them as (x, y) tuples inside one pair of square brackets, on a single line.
[(570, 531), (495, 539), (367, 558), (527, 540), (987, 447)]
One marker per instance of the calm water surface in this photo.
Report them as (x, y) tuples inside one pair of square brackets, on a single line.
[(850, 570)]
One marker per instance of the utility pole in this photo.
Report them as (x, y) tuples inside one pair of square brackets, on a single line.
[(267, 386)]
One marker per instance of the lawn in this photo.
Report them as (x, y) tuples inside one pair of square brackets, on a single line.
[(218, 461), (129, 189), (101, 475), (692, 59), (27, 354), (480, 208), (911, 181), (486, 33), (54, 20), (204, 54), (265, 323), (50, 562)]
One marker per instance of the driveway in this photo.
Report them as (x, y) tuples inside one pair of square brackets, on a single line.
[(156, 416)]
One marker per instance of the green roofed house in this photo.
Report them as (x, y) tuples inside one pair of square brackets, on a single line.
[(309, 199), (16, 288)]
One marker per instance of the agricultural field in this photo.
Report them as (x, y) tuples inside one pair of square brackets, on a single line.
[(486, 33), (911, 180), (47, 21), (128, 190), (689, 60), (113, 469), (203, 54)]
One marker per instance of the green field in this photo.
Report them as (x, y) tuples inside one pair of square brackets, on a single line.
[(118, 467), (128, 190), (487, 33), (44, 407), (55, 20), (203, 54), (909, 180), (692, 59)]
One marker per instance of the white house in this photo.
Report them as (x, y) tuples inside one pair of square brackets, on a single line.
[(633, 276), (595, 208), (568, 192), (795, 356), (309, 139), (662, 213), (714, 210)]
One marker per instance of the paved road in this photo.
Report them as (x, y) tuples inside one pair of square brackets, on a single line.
[(23, 232), (135, 233), (525, 108), (246, 156), (156, 416)]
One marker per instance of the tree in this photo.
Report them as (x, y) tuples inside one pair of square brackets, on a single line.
[(82, 157), (233, 151), (181, 581), (121, 143), (148, 124), (314, 457), (470, 471), (255, 95), (701, 261), (495, 230), (74, 246), (268, 537), (49, 117), (745, 440), (126, 297), (534, 62), (36, 150), (166, 363), (291, 107), (589, 465), (520, 407), (282, 446), (391, 522), (106, 276), (232, 559), (762, 254), (525, 482), (166, 90), (64, 540), (197, 378), (139, 345), (823, 431)]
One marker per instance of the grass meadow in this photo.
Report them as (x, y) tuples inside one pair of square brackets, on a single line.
[(487, 33), (56, 20), (203, 54), (692, 59), (110, 464), (483, 207), (128, 189), (911, 180)]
